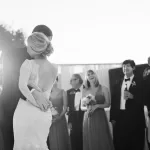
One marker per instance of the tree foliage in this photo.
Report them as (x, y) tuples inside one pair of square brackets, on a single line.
[(12, 45), (11, 39)]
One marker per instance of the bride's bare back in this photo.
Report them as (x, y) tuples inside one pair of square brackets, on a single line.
[(47, 74)]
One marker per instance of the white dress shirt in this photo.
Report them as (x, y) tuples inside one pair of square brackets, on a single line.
[(124, 85), (77, 100)]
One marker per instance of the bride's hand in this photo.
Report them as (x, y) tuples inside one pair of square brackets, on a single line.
[(43, 103)]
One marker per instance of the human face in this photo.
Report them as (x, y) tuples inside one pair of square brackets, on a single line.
[(74, 82), (127, 70), (91, 77)]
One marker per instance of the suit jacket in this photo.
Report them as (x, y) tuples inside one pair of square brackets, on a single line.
[(71, 111), (146, 89), (134, 112)]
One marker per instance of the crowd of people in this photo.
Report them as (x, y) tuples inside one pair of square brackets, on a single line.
[(39, 119)]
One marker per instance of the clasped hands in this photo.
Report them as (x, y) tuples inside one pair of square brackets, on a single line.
[(43, 102)]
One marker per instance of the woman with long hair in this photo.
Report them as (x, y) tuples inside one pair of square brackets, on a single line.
[(96, 133)]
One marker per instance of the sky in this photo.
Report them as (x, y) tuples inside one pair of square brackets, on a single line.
[(86, 31)]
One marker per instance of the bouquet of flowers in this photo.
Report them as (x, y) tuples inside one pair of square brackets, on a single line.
[(87, 103), (88, 100)]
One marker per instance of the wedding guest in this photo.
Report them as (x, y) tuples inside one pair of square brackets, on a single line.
[(146, 98), (127, 111), (75, 114), (96, 132), (58, 136), (146, 85), (147, 70)]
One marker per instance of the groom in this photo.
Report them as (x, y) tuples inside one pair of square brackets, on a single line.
[(48, 32), (127, 111), (11, 95), (75, 114)]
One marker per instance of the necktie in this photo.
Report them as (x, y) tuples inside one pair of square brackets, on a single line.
[(127, 79)]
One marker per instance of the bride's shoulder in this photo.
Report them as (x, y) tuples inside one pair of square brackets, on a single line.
[(27, 64)]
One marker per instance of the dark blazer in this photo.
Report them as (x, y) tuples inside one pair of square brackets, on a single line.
[(134, 111), (76, 119), (146, 88), (71, 110)]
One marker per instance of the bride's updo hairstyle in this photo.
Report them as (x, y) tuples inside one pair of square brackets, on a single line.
[(40, 44)]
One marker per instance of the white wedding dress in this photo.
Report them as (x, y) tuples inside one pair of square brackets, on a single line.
[(31, 125)]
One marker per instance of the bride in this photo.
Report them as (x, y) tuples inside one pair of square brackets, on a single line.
[(32, 118)]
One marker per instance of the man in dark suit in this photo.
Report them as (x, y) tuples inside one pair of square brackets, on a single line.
[(146, 85), (127, 111), (146, 93), (75, 115)]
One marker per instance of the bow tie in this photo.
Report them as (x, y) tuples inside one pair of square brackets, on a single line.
[(77, 90), (127, 79)]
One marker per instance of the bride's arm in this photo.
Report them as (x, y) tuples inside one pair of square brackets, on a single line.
[(25, 72)]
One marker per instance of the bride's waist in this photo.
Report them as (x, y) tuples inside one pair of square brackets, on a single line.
[(26, 103)]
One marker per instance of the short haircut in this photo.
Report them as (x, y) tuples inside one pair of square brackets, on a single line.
[(129, 61), (78, 76), (44, 29)]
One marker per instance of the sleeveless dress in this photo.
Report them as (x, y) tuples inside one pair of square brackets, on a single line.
[(58, 136), (30, 124), (96, 132)]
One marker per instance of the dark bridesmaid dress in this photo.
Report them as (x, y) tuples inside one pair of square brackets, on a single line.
[(59, 137), (96, 132)]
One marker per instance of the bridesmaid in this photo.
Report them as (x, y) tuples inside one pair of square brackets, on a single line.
[(96, 132), (58, 136)]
